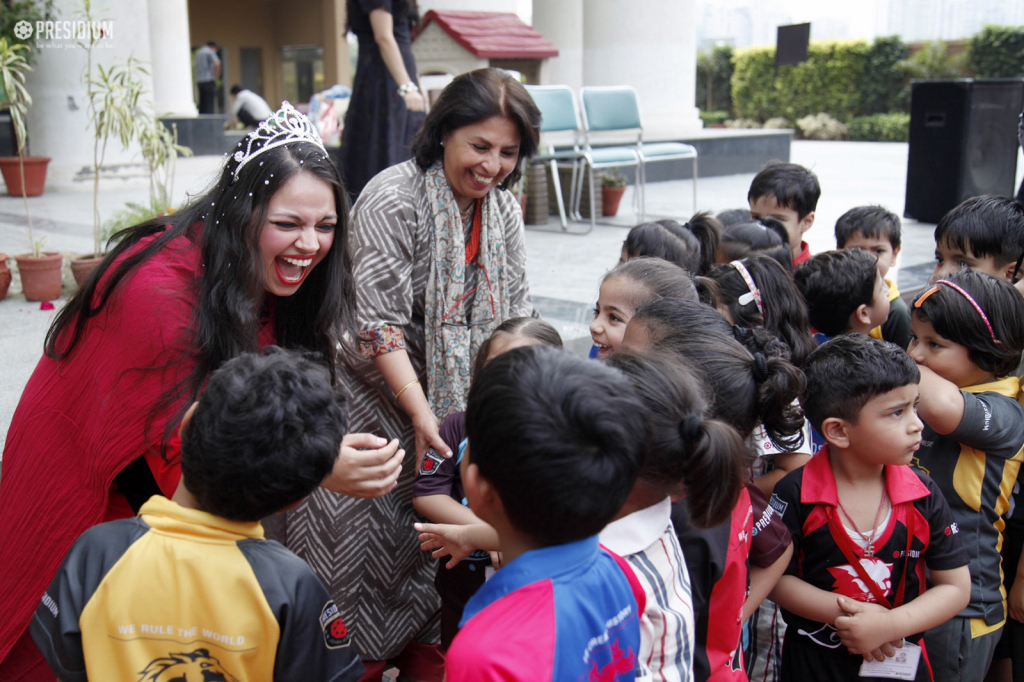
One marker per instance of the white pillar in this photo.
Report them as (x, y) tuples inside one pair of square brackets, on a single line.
[(561, 23), (650, 45), (171, 64), (58, 122)]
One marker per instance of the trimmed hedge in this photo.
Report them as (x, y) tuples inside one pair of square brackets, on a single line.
[(713, 118), (997, 52), (893, 127), (827, 82), (883, 85)]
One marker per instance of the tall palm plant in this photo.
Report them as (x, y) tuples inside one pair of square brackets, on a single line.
[(13, 68)]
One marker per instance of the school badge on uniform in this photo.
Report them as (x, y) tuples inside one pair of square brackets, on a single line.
[(431, 461)]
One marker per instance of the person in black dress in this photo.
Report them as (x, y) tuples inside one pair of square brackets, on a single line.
[(386, 108)]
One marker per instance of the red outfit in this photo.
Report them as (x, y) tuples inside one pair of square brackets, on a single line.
[(803, 256), (82, 420)]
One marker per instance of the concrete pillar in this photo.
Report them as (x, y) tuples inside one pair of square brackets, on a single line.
[(561, 23), (58, 122), (650, 45), (337, 65), (171, 63)]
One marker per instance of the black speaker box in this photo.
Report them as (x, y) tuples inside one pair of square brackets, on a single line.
[(963, 142)]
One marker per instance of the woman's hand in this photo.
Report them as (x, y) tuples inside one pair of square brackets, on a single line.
[(414, 101), (367, 466), (428, 436)]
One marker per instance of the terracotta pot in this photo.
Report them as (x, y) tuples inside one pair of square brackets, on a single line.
[(5, 276), (35, 174), (610, 198), (40, 277), (83, 266)]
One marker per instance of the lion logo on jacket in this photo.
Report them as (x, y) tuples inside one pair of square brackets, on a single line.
[(195, 666), (847, 581)]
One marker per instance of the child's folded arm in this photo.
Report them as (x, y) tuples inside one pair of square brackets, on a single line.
[(805, 600), (942, 404), (444, 509), (763, 580), (864, 630)]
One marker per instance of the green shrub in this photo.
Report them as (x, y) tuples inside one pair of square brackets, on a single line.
[(934, 61), (777, 123), (826, 82), (883, 84), (714, 75), (893, 127), (742, 123), (713, 118), (997, 52), (821, 126)]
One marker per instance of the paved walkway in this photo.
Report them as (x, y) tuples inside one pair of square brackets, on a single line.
[(564, 269)]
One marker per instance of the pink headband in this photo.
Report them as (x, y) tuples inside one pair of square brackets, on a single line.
[(960, 290), (754, 294)]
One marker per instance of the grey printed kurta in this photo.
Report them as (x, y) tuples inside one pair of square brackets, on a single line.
[(366, 550)]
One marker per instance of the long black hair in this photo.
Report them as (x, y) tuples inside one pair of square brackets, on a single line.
[(225, 224)]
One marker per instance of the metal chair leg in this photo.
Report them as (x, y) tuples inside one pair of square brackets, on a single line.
[(558, 195), (695, 184), (593, 207)]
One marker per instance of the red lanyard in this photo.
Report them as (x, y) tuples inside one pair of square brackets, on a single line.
[(849, 550), (473, 246)]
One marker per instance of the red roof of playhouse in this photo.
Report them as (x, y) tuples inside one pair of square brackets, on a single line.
[(491, 35)]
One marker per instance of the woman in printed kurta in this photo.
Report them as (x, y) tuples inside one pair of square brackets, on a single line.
[(439, 262)]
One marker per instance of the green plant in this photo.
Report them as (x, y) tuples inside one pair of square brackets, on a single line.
[(13, 67), (894, 127), (821, 126), (714, 74), (160, 150), (132, 214), (777, 123), (17, 11), (742, 123), (714, 118), (613, 178), (997, 52), (934, 61), (883, 84)]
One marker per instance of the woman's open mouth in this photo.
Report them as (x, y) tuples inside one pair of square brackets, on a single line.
[(291, 270)]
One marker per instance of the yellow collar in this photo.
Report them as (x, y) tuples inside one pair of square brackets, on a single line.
[(1008, 386)]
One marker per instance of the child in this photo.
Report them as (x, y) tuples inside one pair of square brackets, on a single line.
[(845, 292), (630, 286), (757, 292), (789, 193), (765, 236), (748, 389), (877, 231), (731, 216), (690, 454), (190, 584), (438, 493), (967, 337), (862, 521), (555, 445), (691, 246), (985, 234)]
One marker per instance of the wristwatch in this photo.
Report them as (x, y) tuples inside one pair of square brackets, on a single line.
[(404, 90)]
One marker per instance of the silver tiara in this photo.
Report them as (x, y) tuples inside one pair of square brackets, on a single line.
[(286, 125)]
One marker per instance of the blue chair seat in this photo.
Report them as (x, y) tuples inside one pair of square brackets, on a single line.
[(603, 155), (659, 149)]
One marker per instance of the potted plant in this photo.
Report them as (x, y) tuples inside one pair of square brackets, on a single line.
[(40, 272), (24, 175), (613, 185), (5, 276)]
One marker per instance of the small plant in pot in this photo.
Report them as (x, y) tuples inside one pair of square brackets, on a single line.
[(613, 186), (23, 174), (40, 272)]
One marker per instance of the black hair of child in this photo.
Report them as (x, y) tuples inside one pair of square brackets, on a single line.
[(835, 284), (654, 240), (785, 311), (765, 236), (265, 434), (844, 373), (873, 222), (954, 318), (751, 380), (531, 327), (792, 186), (706, 229), (732, 216), (685, 444), (988, 225), (654, 278), (560, 438)]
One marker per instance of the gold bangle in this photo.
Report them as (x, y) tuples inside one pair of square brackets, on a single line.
[(406, 388)]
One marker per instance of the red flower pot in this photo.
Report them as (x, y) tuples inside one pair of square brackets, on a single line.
[(83, 266), (610, 198), (35, 174), (5, 276), (40, 277)]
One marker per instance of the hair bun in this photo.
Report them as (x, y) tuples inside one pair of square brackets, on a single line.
[(690, 428), (760, 367)]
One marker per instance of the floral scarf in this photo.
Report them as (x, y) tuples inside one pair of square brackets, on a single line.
[(452, 339)]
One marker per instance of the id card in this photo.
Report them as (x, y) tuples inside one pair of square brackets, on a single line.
[(902, 666)]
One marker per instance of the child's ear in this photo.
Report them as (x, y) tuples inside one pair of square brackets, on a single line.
[(1010, 271), (895, 253), (860, 317), (834, 430), (479, 492), (807, 222), (187, 418)]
